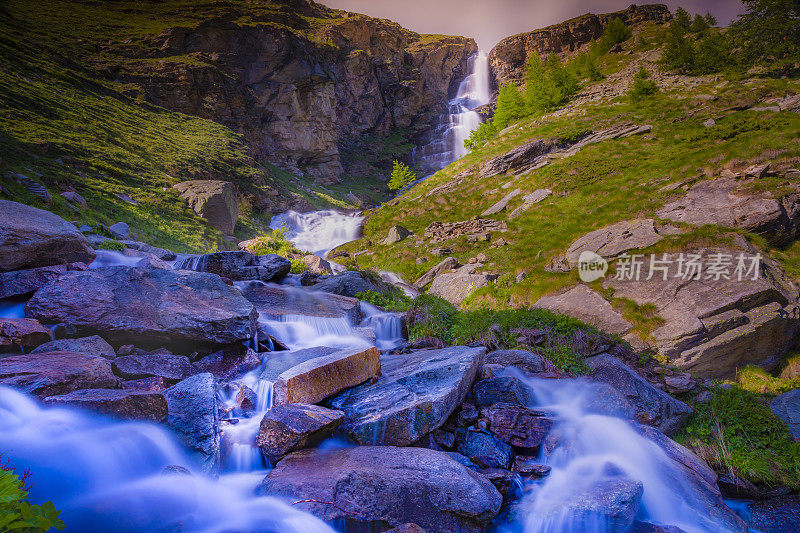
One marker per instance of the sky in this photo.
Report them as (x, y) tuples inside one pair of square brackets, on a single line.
[(489, 21)]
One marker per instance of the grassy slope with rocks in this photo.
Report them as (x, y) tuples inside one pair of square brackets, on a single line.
[(613, 181), (68, 127)]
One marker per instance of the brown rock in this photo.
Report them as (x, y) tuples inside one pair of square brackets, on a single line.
[(288, 428), (118, 403), (23, 282), (55, 373), (213, 200), (588, 306), (25, 333)]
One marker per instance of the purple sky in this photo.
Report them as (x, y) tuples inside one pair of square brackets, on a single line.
[(488, 21)]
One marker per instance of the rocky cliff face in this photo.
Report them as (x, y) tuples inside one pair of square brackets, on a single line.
[(300, 81), (507, 60)]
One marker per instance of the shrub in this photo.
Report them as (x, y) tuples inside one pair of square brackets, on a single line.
[(402, 176), (298, 266), (642, 86), (682, 20), (699, 24), (769, 29), (111, 244), (431, 316), (510, 106), (480, 135), (18, 514), (737, 431), (616, 33), (274, 242), (394, 301)]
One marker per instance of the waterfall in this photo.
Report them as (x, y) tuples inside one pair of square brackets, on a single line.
[(318, 232), (447, 141)]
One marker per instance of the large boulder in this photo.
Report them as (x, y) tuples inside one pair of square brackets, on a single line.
[(239, 265), (481, 447), (118, 403), (28, 281), (25, 333), (529, 363), (94, 345), (414, 395), (588, 306), (213, 200), (713, 327), (150, 307), (609, 242), (193, 416), (387, 484), (653, 406), (229, 363), (316, 379), (445, 265), (158, 363), (727, 202), (787, 407), (288, 428), (275, 302), (350, 283), (456, 286), (519, 426), (53, 373), (31, 238)]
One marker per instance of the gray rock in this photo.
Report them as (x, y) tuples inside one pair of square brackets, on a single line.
[(316, 379), (275, 302), (526, 362), (52, 373), (213, 200), (124, 404), (414, 395), (280, 362), (288, 428), (239, 265), (456, 286), (396, 234), (484, 447), (519, 159), (445, 265), (75, 199), (787, 407), (193, 417), (25, 333), (502, 389), (519, 426), (32, 238), (528, 201), (389, 484), (120, 230), (229, 363), (501, 204), (653, 406), (586, 305), (727, 202), (149, 307), (158, 363), (93, 346), (350, 283), (317, 265), (161, 253), (609, 242)]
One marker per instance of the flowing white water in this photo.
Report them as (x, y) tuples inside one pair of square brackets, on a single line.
[(319, 232), (447, 144), (108, 476), (595, 447)]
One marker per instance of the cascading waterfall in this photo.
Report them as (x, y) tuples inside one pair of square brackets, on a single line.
[(447, 144), (318, 232), (595, 447)]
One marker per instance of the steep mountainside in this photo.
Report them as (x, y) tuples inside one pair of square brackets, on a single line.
[(508, 58)]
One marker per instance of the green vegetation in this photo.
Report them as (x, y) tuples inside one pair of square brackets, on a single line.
[(768, 30), (737, 432), (756, 379), (298, 266), (402, 176), (111, 244), (274, 242), (616, 33), (643, 86), (17, 514)]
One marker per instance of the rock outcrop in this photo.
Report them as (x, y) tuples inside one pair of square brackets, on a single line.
[(386, 484), (213, 200), (53, 373), (787, 407), (239, 265), (31, 238), (587, 305), (508, 58), (149, 307), (302, 93)]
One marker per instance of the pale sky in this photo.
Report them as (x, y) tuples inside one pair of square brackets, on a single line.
[(489, 21)]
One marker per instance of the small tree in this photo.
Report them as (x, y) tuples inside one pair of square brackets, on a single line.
[(711, 20), (770, 29), (510, 106), (643, 86), (682, 20), (679, 53), (402, 176), (699, 24)]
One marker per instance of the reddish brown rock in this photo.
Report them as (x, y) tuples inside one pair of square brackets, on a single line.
[(24, 333), (55, 373)]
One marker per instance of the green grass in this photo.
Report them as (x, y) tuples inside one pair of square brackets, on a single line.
[(756, 379), (736, 431)]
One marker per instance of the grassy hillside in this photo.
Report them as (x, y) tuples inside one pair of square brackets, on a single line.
[(604, 183)]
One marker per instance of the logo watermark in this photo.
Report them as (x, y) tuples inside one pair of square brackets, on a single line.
[(715, 266)]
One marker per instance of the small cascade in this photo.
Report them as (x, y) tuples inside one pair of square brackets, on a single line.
[(388, 327), (319, 232), (301, 331), (447, 140), (111, 258), (596, 447)]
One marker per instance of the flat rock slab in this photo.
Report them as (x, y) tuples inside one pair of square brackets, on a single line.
[(654, 407), (24, 282), (526, 362), (147, 307), (31, 238), (456, 286), (414, 396), (388, 484), (277, 363), (54, 373), (118, 403), (787, 407), (316, 379), (275, 302), (159, 363), (586, 305), (93, 345), (239, 265), (288, 428)]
